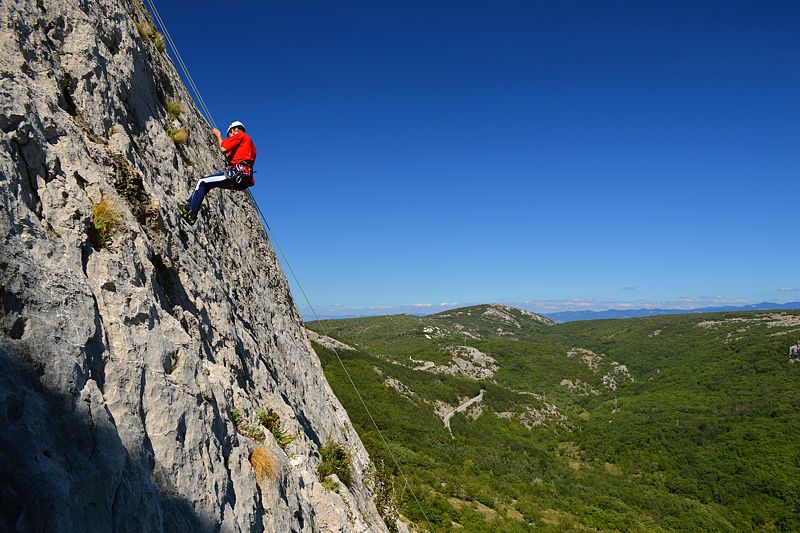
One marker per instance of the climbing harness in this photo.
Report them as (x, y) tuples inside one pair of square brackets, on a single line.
[(270, 234), (241, 175)]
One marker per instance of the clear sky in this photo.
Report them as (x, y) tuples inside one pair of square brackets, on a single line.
[(560, 154)]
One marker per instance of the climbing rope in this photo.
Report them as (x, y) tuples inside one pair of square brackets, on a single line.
[(270, 234), (197, 96)]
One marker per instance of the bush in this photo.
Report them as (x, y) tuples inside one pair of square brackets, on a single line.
[(382, 479), (330, 485), (236, 416), (105, 221), (270, 420), (248, 430), (335, 460)]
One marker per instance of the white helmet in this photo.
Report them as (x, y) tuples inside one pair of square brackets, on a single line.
[(235, 124)]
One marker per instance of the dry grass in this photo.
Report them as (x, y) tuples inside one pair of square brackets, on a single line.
[(146, 29), (178, 135), (174, 108), (331, 485), (264, 464), (158, 40), (105, 221), (113, 131)]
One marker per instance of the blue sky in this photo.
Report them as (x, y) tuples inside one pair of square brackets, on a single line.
[(557, 155)]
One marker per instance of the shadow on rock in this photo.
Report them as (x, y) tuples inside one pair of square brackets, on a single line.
[(64, 467)]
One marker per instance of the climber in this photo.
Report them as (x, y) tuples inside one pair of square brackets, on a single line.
[(240, 153)]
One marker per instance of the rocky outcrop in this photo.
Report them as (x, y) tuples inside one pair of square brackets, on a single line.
[(794, 353), (615, 373), (469, 362), (580, 387), (464, 360), (489, 319), (133, 371), (505, 314), (328, 342)]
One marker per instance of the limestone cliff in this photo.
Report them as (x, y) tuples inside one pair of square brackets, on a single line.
[(126, 366)]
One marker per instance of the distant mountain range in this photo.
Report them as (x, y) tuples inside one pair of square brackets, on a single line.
[(560, 316), (571, 316)]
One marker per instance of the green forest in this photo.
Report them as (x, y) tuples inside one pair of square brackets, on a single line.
[(667, 423)]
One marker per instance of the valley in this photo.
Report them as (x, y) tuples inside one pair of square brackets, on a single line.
[(503, 420)]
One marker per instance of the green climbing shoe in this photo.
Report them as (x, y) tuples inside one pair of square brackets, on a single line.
[(186, 214)]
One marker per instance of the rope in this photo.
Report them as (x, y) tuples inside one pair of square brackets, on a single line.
[(341, 363), (360, 398), (198, 97), (271, 236)]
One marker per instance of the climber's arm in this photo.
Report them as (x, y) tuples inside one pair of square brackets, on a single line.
[(218, 135)]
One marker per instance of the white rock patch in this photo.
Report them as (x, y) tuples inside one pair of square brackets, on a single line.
[(466, 360), (501, 312), (422, 365), (616, 375), (589, 358), (548, 412), (433, 332), (462, 330), (794, 353), (395, 384), (470, 362), (581, 387), (771, 320)]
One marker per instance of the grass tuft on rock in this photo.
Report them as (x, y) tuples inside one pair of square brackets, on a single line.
[(158, 40), (264, 464), (146, 29), (178, 135), (270, 420), (105, 222), (174, 109)]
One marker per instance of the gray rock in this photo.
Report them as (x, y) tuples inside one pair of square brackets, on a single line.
[(121, 366)]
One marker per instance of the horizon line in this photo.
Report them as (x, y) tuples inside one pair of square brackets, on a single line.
[(541, 307)]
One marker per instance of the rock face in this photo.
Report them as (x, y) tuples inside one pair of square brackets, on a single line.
[(132, 375)]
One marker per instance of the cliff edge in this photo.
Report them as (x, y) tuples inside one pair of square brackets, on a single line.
[(134, 368)]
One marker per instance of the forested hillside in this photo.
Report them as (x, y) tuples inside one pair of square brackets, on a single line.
[(687, 422)]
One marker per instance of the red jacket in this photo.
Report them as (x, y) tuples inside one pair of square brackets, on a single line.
[(239, 147)]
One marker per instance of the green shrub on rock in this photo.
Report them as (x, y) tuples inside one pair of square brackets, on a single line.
[(336, 460)]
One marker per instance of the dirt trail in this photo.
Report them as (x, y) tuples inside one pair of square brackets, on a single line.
[(461, 408)]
